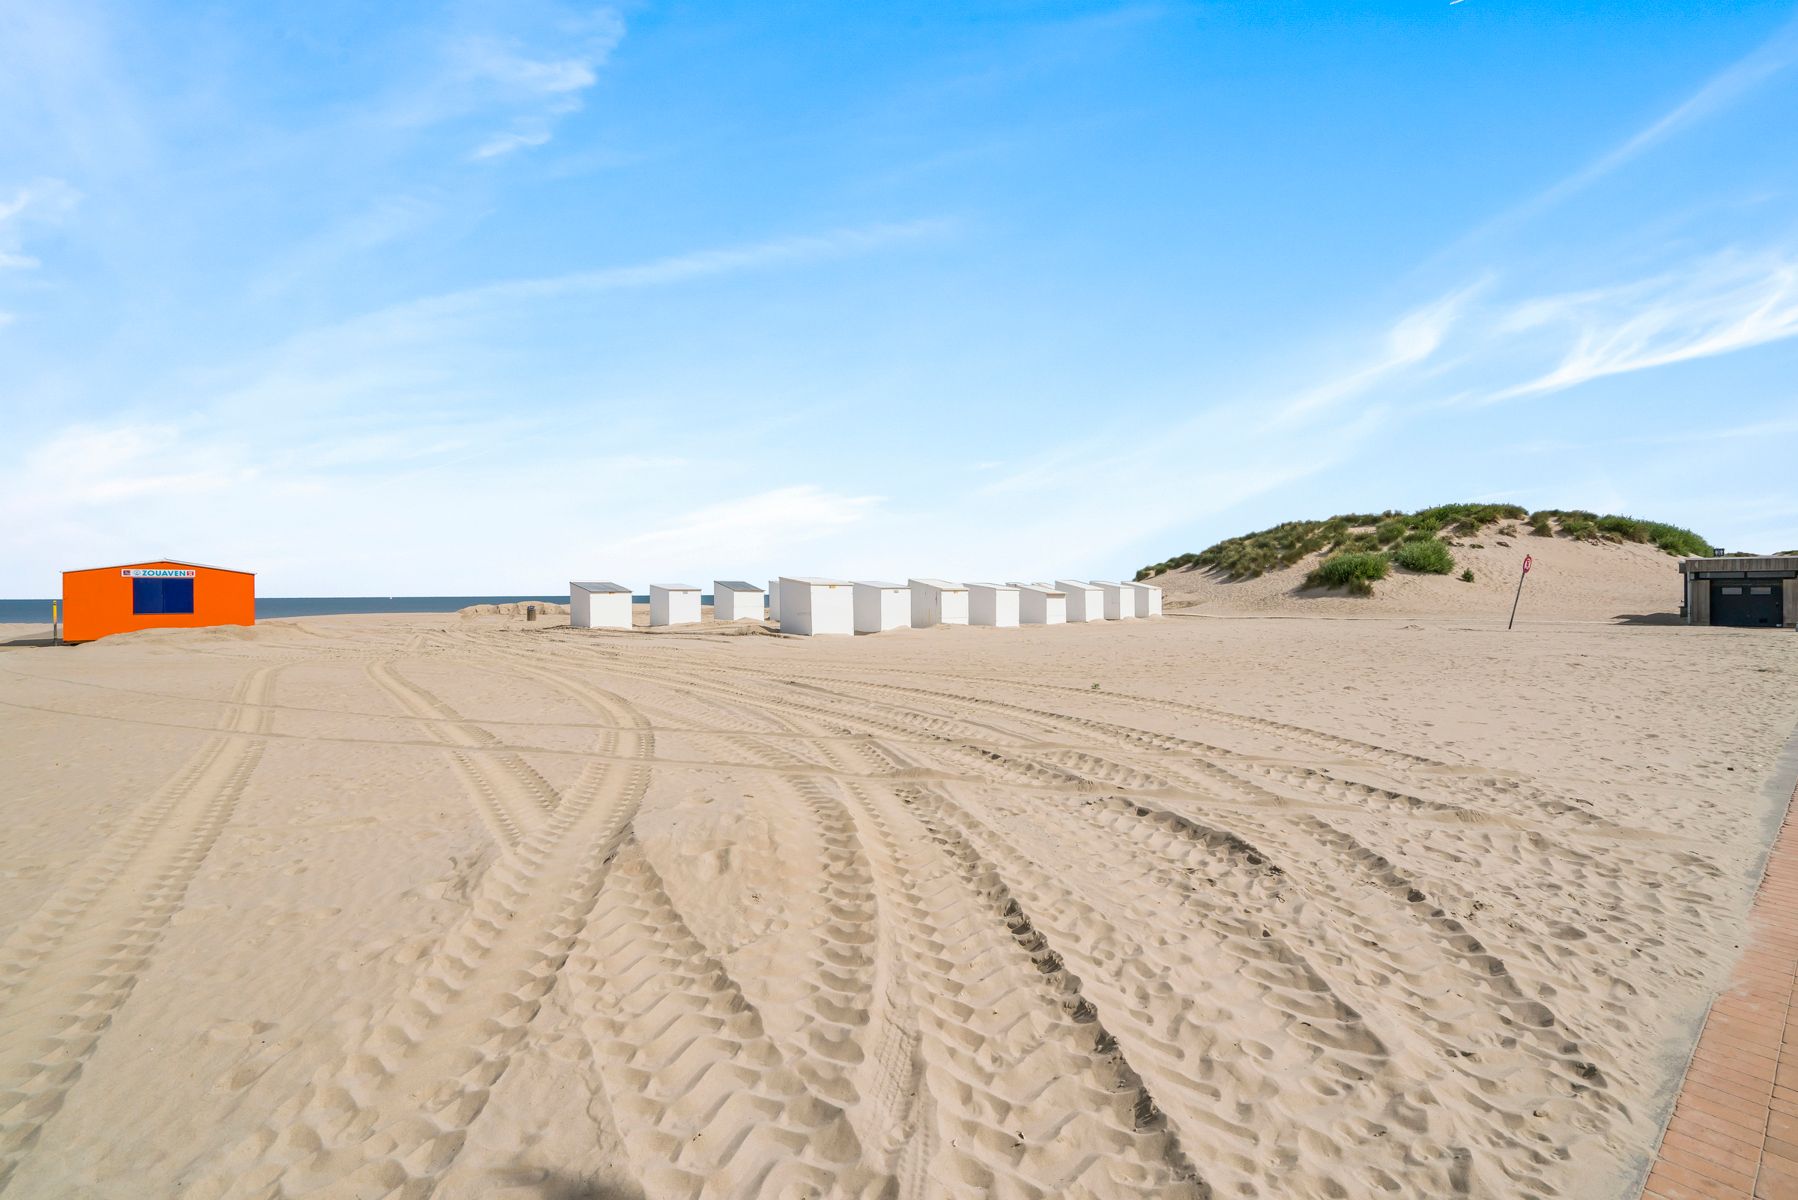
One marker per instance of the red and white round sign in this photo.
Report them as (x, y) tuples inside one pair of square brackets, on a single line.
[(1528, 561)]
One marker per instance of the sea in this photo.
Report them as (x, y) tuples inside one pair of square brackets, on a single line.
[(37, 612)]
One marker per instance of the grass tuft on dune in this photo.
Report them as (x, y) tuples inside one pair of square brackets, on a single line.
[(1355, 570), (1427, 556)]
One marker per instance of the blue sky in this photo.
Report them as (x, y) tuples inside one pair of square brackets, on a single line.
[(422, 298)]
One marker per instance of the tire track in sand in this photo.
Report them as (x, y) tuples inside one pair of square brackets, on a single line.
[(706, 1102), (1017, 1051), (1515, 1054), (1527, 802), (1019, 1064), (1528, 808), (772, 1129), (1312, 846), (1304, 994), (1316, 738), (389, 1115), (1448, 955), (982, 878), (1488, 1145), (1187, 979), (1210, 1076), (1017, 1075), (822, 970), (816, 995), (69, 968), (509, 794)]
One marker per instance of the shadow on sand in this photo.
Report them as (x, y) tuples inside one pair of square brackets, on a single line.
[(34, 640), (1648, 619), (556, 1185)]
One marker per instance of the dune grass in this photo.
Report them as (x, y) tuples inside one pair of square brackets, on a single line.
[(1288, 544), (1406, 538), (1284, 545), (1427, 556), (1355, 570), (1578, 523)]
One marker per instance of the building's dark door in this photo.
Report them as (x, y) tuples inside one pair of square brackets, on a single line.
[(1752, 602)]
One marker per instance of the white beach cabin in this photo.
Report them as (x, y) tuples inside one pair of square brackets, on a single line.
[(599, 606), (817, 607), (673, 604), (1040, 604), (1147, 598), (881, 606), (735, 600), (1120, 605), (993, 604), (937, 602), (774, 600), (1085, 602)]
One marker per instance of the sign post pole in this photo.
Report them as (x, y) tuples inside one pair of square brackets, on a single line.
[(55, 624), (1528, 561)]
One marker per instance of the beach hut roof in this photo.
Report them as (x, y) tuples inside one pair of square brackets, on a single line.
[(180, 562), (674, 587), (1740, 562), (876, 583), (816, 582), (943, 585), (735, 585), (997, 587), (600, 587)]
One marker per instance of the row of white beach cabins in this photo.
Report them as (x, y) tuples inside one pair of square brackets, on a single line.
[(837, 606)]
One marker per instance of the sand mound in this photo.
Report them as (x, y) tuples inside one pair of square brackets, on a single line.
[(1570, 580), (516, 609)]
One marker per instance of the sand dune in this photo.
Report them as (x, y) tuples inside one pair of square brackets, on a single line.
[(372, 906), (1571, 580)]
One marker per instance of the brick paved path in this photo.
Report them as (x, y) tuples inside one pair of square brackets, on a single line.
[(1734, 1132)]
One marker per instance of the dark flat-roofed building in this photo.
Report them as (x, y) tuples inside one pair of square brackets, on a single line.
[(1741, 590)]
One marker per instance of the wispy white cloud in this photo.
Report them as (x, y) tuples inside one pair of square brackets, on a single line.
[(345, 239), (1779, 427), (1719, 93), (42, 202), (747, 528), (103, 466), (1718, 306), (504, 143), (281, 495), (539, 85), (443, 346), (677, 268), (497, 62), (1409, 341)]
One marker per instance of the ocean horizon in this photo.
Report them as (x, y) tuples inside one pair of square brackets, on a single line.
[(37, 612)]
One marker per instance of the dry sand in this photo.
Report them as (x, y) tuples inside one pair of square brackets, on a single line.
[(367, 906)]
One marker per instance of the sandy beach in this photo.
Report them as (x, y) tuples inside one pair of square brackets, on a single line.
[(1231, 905)]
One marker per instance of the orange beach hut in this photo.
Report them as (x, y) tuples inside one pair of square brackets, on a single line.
[(163, 594)]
